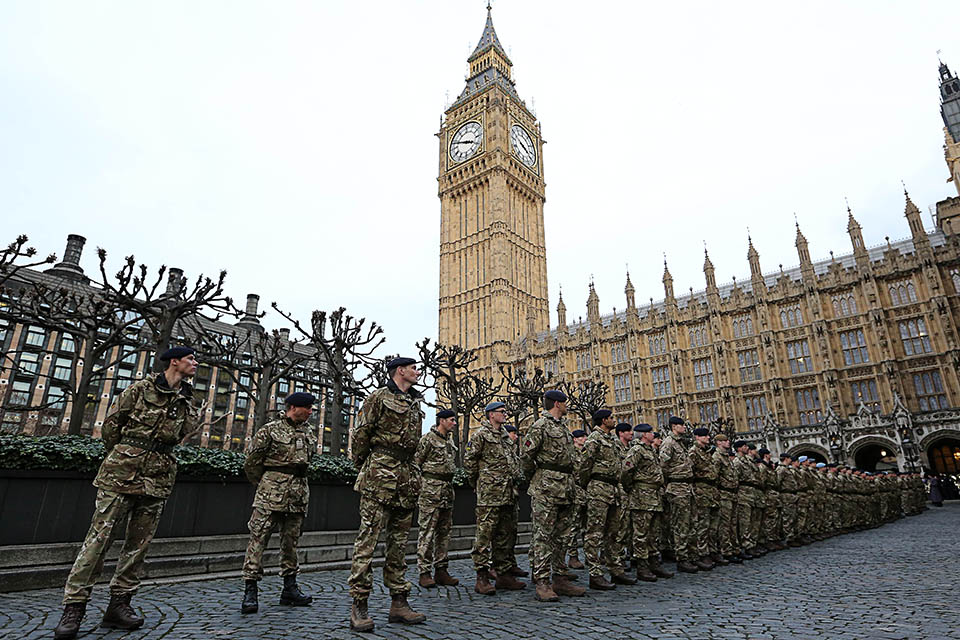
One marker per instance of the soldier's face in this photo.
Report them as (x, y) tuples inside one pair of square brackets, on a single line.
[(513, 436), (609, 422), (647, 437), (562, 408), (626, 436), (498, 417), (446, 425), (186, 366), (409, 373), (702, 440), (299, 414), (579, 441)]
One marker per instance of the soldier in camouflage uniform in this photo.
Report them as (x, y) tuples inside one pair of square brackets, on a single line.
[(747, 488), (727, 485), (642, 479), (772, 520), (146, 422), (760, 503), (788, 499), (579, 508), (277, 463), (547, 458), (599, 473), (678, 474), (385, 439), (493, 470), (706, 497), (623, 551), (437, 458), (515, 570)]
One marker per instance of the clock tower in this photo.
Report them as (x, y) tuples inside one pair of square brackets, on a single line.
[(493, 265)]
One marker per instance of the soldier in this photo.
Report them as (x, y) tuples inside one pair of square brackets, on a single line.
[(491, 466), (706, 499), (625, 438), (678, 474), (747, 487), (772, 521), (385, 438), (599, 473), (515, 570), (727, 499), (788, 499), (437, 458), (548, 456), (579, 507), (146, 422), (760, 502), (642, 479), (804, 496), (277, 465)]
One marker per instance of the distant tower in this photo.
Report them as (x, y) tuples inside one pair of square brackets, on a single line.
[(950, 112)]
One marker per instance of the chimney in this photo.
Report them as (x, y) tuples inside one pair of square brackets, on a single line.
[(69, 268), (285, 334), (174, 281), (249, 320), (253, 300)]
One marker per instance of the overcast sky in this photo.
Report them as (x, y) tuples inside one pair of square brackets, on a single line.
[(293, 143)]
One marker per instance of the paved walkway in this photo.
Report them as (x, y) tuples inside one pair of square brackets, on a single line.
[(898, 581)]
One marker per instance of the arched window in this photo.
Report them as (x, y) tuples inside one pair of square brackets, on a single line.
[(783, 319), (749, 326), (844, 309)]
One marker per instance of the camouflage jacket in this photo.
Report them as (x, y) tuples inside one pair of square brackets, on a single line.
[(491, 465), (788, 480), (762, 495), (726, 474), (580, 494), (437, 458), (385, 438), (677, 467), (599, 466), (748, 478), (278, 448), (547, 457), (642, 479), (150, 412), (704, 475)]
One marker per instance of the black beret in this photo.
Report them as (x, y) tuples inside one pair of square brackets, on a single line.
[(701, 431), (764, 451), (656, 434), (579, 433), (624, 426), (752, 447), (643, 427), (739, 443), (176, 352), (675, 420), (556, 396), (509, 428), (600, 415), (784, 456), (446, 413), (400, 362), (299, 399)]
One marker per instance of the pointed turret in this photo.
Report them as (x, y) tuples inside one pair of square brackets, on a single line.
[(803, 250), (668, 285), (708, 271), (561, 312), (631, 294), (856, 239), (754, 259), (593, 305), (915, 220), (488, 65)]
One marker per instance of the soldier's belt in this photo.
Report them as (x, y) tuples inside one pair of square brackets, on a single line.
[(147, 444), (559, 468), (679, 480), (394, 452), (444, 477), (296, 470), (750, 484), (604, 478), (728, 489)]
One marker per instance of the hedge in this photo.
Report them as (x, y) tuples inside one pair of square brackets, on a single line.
[(84, 454)]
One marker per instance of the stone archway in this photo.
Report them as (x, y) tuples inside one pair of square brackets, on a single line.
[(943, 454), (814, 451), (874, 454)]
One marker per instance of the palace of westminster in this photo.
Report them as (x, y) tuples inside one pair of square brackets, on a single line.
[(854, 358)]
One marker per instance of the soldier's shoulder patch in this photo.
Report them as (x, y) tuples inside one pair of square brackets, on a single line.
[(527, 443), (628, 463)]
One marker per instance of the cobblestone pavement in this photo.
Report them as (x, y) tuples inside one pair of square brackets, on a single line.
[(891, 582)]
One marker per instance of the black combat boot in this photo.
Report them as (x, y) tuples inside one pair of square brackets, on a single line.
[(120, 615), (291, 594), (70, 621), (250, 603)]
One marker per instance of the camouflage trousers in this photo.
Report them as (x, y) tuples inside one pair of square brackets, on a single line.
[(666, 533), (756, 522), (262, 525), (491, 548), (433, 537), (646, 527), (577, 529), (745, 537), (727, 524), (512, 534), (625, 534), (395, 522), (551, 537), (803, 509), (141, 515), (600, 539), (706, 523), (682, 514), (788, 516), (772, 522)]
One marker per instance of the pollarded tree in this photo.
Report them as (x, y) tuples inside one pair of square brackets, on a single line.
[(524, 391), (18, 256), (585, 398)]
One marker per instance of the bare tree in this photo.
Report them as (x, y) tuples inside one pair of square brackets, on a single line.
[(18, 256), (474, 393), (524, 391), (446, 370), (345, 347), (585, 398)]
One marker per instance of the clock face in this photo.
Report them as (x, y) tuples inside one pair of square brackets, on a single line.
[(523, 145), (466, 141)]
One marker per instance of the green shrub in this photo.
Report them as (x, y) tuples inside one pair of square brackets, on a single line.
[(65, 453)]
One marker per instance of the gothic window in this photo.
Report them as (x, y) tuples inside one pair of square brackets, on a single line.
[(930, 392), (866, 391), (661, 381), (798, 355), (658, 344), (954, 275), (703, 373), (709, 411), (550, 366), (854, 347), (584, 360), (902, 292), (621, 388), (844, 305), (663, 417), (698, 336), (742, 327), (756, 409), (618, 352), (808, 405), (749, 363), (914, 335), (791, 317)]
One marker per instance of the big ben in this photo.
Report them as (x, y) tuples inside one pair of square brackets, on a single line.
[(493, 269)]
